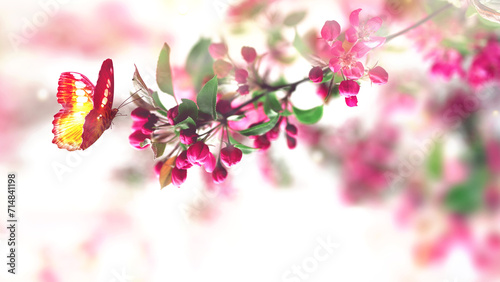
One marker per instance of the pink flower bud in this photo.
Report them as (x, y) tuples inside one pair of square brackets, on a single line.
[(291, 129), (158, 168), (182, 161), (322, 90), (230, 155), (222, 68), (219, 174), (172, 114), (136, 138), (243, 89), (217, 50), (240, 75), (197, 153), (274, 133), (209, 164), (348, 88), (188, 136), (316, 74), (148, 127), (178, 176), (139, 114), (291, 141), (223, 106), (378, 75), (261, 142), (351, 101), (330, 30), (248, 54)]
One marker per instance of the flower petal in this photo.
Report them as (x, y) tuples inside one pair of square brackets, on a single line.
[(330, 30), (334, 64), (337, 50), (373, 24), (374, 42), (222, 68), (348, 88), (360, 49), (351, 34), (378, 75), (351, 101), (355, 72), (354, 17), (217, 50)]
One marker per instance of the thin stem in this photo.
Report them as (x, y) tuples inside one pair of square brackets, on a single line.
[(435, 13)]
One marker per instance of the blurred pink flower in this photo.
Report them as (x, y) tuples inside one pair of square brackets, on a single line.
[(485, 65), (364, 30), (447, 63)]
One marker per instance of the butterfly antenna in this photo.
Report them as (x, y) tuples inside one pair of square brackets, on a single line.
[(124, 104)]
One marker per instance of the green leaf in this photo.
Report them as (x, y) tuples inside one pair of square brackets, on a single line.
[(467, 197), (286, 113), (327, 77), (435, 161), (244, 148), (301, 46), (271, 105), (308, 116), (158, 149), (261, 99), (262, 128), (199, 62), (207, 97), (185, 124), (157, 101), (294, 18), (163, 71), (186, 109)]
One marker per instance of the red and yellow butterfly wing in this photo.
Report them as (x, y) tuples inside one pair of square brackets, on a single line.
[(100, 117), (74, 93)]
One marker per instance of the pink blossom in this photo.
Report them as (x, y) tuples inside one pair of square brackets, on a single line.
[(348, 88), (347, 61), (197, 153), (182, 161), (249, 54), (291, 142), (219, 174), (291, 129), (222, 68), (330, 30), (178, 176), (209, 164), (363, 31), (217, 50), (486, 65), (316, 74), (447, 63), (240, 75), (351, 101), (378, 75), (230, 155)]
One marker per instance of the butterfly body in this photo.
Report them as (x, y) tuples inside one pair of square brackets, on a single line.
[(86, 110)]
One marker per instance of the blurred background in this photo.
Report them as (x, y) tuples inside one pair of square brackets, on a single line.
[(403, 187)]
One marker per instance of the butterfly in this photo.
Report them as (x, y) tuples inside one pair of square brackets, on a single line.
[(86, 110)]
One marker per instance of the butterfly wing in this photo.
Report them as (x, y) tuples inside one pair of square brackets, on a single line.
[(100, 117), (74, 93)]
